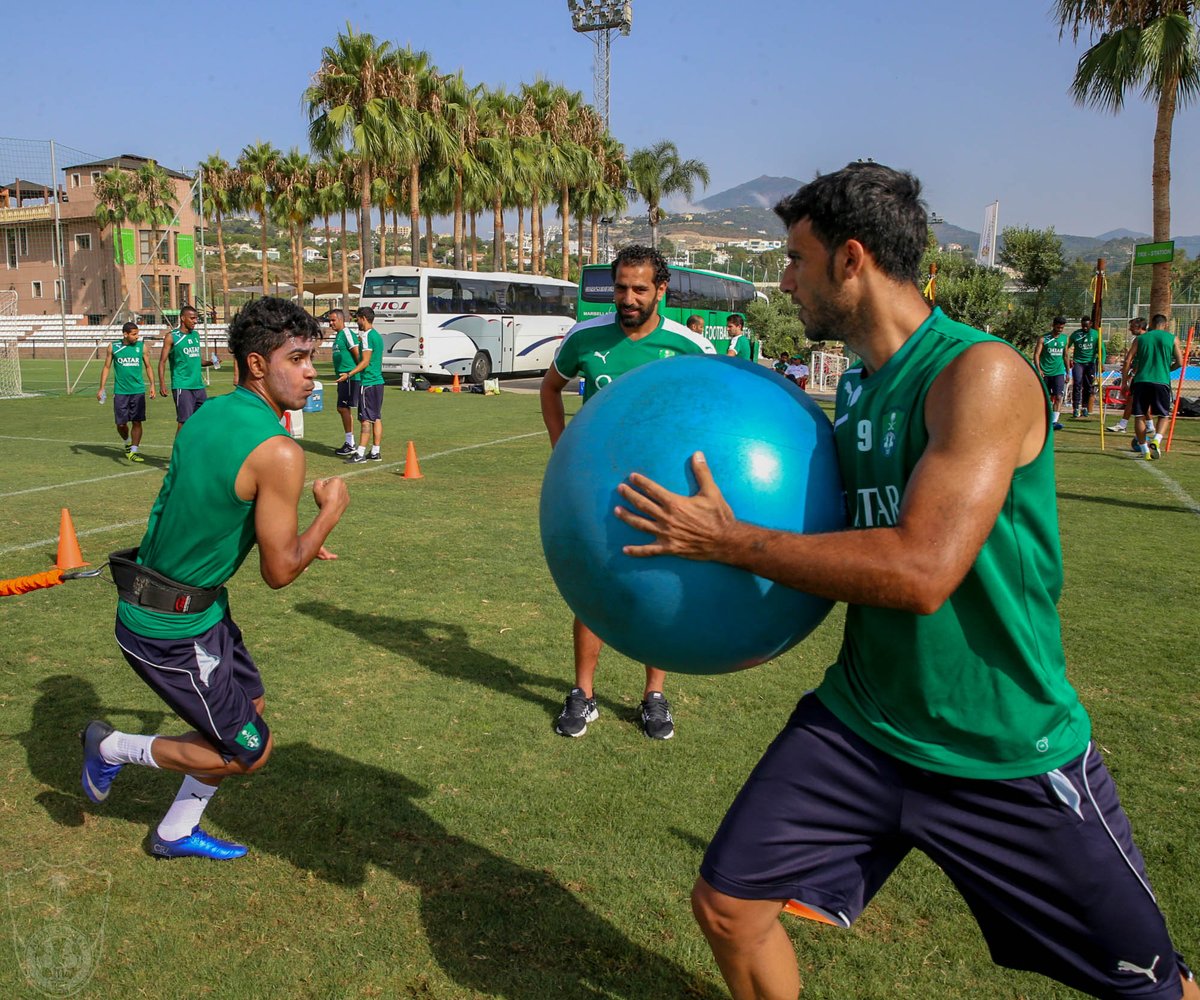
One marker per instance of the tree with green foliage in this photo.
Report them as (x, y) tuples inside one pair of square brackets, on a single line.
[(1153, 45), (256, 171), (658, 172), (156, 204), (1037, 257), (968, 292), (776, 324), (220, 197), (116, 204)]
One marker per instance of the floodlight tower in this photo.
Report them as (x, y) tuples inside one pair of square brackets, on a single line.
[(600, 18)]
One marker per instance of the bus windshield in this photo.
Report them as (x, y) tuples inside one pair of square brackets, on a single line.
[(391, 286)]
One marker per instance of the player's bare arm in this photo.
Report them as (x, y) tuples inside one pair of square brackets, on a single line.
[(104, 371), (163, 356), (948, 509), (150, 378), (553, 414), (273, 476), (361, 366)]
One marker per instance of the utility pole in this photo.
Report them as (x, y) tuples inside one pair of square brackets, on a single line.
[(600, 18)]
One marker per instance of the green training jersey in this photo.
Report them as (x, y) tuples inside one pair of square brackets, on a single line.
[(128, 376), (1051, 360), (1083, 344), (740, 345), (1155, 352), (343, 359), (978, 689), (199, 529), (369, 340), (184, 360), (599, 349)]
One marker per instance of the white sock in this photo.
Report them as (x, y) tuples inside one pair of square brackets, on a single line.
[(133, 448), (1158, 439), (1054, 415), (361, 449), (1149, 426), (127, 748), (1122, 424), (127, 442), (374, 449), (349, 439), (185, 812)]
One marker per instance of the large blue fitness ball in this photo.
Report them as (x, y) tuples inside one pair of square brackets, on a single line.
[(771, 452)]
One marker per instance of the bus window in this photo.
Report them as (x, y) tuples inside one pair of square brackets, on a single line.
[(442, 292), (597, 285), (679, 290), (481, 296), (391, 286)]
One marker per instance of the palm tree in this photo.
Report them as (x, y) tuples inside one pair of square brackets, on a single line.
[(256, 168), (658, 172), (351, 100), (497, 152), (220, 197), (116, 204), (1153, 45), (156, 205), (295, 205)]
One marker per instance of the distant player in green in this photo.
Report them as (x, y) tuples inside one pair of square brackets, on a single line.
[(1083, 348), (601, 350), (1049, 355), (947, 723), (370, 400), (739, 343), (233, 484), (181, 348), (1148, 367), (345, 357), (130, 382)]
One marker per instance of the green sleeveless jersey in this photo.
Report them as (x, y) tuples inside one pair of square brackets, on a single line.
[(1083, 345), (184, 360), (128, 376), (343, 360), (599, 350), (199, 529), (978, 689), (1155, 352), (1051, 360)]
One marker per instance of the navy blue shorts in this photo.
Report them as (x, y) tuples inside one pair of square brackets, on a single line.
[(1047, 863), (188, 401), (347, 394), (129, 407), (1151, 399), (209, 680), (370, 403), (1056, 385)]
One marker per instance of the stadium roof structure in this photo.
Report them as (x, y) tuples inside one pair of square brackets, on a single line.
[(127, 161)]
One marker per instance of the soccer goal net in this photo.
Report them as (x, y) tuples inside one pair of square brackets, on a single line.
[(10, 363)]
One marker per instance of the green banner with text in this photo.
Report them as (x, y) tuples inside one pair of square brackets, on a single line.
[(1154, 253)]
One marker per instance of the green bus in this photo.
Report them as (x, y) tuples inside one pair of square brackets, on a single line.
[(691, 292)]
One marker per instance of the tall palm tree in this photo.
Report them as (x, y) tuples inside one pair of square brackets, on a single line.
[(657, 172), (1153, 45), (116, 204), (351, 100), (497, 153), (256, 168), (295, 205), (220, 197), (156, 205)]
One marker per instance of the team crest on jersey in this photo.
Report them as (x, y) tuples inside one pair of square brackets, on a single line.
[(666, 352), (889, 433)]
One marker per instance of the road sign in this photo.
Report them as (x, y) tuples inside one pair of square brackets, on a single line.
[(1154, 253)]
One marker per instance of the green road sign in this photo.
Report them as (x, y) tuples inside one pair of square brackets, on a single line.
[(1154, 253)]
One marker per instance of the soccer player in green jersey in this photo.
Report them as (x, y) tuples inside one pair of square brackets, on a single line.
[(947, 723), (130, 382), (1148, 370), (345, 357), (370, 399), (601, 350), (233, 484), (181, 348), (1049, 356), (1083, 346), (739, 343)]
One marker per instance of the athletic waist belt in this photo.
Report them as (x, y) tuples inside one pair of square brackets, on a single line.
[(147, 588)]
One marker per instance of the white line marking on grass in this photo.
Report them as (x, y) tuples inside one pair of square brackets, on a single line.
[(1177, 491), (88, 444), (75, 482), (375, 467)]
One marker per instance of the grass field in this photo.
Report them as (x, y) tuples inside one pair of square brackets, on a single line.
[(420, 831)]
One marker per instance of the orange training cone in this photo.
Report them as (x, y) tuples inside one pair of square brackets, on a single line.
[(411, 469), (454, 386), (69, 556)]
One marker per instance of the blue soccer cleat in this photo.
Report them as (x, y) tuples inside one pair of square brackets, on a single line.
[(196, 844), (98, 774)]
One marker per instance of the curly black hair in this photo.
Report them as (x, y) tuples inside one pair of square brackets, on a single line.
[(636, 254), (265, 325)]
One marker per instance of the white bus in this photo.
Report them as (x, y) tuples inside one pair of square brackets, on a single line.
[(468, 323)]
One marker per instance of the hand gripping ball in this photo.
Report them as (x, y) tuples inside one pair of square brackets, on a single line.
[(771, 452)]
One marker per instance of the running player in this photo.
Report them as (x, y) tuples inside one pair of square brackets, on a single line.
[(133, 379), (234, 481), (1049, 357)]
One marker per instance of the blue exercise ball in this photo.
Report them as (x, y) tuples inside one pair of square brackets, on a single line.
[(771, 452)]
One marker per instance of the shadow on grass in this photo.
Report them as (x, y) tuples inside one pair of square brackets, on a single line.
[(495, 927), (445, 649), (117, 454), (1131, 504)]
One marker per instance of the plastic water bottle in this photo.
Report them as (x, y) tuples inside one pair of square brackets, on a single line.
[(216, 362), (103, 396), (582, 383)]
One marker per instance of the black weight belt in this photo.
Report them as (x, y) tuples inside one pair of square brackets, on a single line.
[(142, 586)]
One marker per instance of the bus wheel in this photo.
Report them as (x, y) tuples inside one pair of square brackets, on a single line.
[(481, 367)]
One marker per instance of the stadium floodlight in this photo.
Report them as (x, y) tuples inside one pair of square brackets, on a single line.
[(600, 18)]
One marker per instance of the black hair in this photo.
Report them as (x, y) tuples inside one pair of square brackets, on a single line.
[(1085, 319), (636, 254), (126, 327), (187, 307), (1059, 321), (879, 207), (366, 312), (1138, 322), (265, 325), (1159, 321)]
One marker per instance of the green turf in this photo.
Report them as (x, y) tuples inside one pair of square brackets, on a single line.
[(420, 831)]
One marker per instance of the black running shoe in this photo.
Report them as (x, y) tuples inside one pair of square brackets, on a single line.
[(656, 717), (344, 450), (375, 457), (355, 458), (578, 711)]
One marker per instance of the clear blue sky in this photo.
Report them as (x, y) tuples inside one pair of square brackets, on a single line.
[(971, 96)]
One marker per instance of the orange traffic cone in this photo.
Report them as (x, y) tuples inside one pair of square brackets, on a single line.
[(69, 556), (411, 469), (454, 386)]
